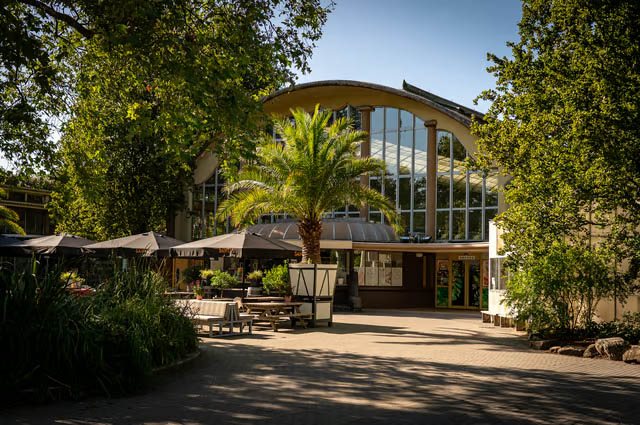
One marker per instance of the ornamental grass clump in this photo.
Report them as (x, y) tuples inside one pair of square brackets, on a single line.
[(58, 344)]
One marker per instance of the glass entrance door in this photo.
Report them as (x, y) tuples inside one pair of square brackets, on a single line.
[(459, 284)]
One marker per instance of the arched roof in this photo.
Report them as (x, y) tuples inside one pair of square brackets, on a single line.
[(335, 229), (456, 111)]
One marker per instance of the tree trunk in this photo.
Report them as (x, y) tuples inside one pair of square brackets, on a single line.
[(310, 231)]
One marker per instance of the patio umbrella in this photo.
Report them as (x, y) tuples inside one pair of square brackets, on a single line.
[(239, 244), (146, 244), (244, 245), (10, 247), (61, 244)]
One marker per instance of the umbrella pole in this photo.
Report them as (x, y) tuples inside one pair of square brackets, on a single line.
[(244, 273)]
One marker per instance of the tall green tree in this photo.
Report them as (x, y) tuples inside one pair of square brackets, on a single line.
[(564, 125), (153, 89), (312, 172)]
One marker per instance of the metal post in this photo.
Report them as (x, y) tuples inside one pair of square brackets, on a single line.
[(202, 219), (215, 205), (313, 299)]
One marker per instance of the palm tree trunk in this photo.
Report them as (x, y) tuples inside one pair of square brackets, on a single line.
[(310, 231)]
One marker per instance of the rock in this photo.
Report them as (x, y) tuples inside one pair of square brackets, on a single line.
[(611, 348), (572, 350), (545, 344), (632, 355), (554, 349), (591, 351)]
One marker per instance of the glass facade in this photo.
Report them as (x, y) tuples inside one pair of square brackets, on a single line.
[(465, 200), (206, 198), (400, 139)]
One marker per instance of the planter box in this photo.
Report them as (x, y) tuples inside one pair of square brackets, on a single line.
[(302, 279), (314, 285)]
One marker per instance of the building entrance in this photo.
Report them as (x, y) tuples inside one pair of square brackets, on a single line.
[(461, 282)]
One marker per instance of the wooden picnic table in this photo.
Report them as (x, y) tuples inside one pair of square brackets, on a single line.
[(274, 312)]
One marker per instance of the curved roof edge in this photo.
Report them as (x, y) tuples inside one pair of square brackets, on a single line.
[(458, 114)]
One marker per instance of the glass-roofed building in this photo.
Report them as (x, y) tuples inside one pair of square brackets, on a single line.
[(442, 259)]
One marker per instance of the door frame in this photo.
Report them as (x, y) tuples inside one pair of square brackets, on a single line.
[(466, 259)]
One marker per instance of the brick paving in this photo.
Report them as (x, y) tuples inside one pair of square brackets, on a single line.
[(380, 367)]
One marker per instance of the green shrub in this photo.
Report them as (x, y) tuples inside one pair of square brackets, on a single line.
[(277, 280), (221, 280), (191, 274), (559, 289), (206, 273), (105, 343)]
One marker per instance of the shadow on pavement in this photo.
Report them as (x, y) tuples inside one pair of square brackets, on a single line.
[(244, 384)]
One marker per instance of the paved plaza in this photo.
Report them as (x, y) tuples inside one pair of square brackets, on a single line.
[(382, 367)]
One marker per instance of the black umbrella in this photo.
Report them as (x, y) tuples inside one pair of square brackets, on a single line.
[(61, 244), (239, 244), (10, 247), (146, 244), (245, 245)]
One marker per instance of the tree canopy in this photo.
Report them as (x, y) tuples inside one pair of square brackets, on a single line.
[(176, 77), (564, 125)]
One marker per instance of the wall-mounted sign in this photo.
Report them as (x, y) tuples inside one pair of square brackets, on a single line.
[(466, 257)]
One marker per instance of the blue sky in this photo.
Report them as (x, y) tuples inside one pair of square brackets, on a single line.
[(440, 46)]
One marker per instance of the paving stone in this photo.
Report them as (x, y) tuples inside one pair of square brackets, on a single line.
[(391, 367)]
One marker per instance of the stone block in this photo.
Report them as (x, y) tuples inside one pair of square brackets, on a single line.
[(611, 348), (591, 351), (572, 350), (554, 349), (632, 355), (544, 344)]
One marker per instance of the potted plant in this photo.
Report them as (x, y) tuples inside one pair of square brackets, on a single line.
[(205, 275), (198, 291), (277, 280), (222, 280), (191, 274), (254, 279)]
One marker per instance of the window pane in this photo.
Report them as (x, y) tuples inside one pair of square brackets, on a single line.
[(375, 217), (375, 185), (390, 190), (475, 190), (406, 151), (391, 119), (405, 193), (489, 214), (371, 265), (491, 199), (459, 190), (406, 120), (376, 146), (443, 191), (418, 222), (406, 223), (459, 155), (459, 225), (377, 120), (442, 223), (391, 152), (444, 151), (475, 225), (421, 151), (419, 192)]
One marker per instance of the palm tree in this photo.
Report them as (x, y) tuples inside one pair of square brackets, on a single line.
[(9, 218), (310, 173)]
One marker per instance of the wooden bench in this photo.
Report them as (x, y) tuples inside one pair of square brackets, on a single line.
[(220, 314)]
